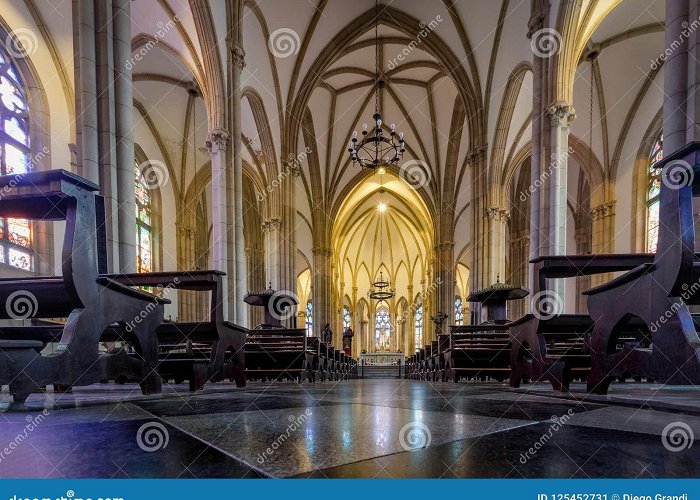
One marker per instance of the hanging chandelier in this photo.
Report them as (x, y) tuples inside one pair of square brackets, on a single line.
[(377, 148)]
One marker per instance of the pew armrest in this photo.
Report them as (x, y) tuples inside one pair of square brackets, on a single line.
[(634, 274)]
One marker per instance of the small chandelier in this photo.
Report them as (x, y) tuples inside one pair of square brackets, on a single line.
[(377, 150), (381, 288)]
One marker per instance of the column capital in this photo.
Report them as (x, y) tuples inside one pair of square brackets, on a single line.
[(561, 113), (497, 213), (323, 252), (476, 154), (445, 245), (217, 140), (606, 209), (271, 224), (535, 24), (237, 54)]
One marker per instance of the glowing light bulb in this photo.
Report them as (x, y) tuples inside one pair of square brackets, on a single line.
[(381, 207), (381, 170)]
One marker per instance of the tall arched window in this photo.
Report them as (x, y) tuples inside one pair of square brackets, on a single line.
[(144, 227), (419, 327), (346, 317), (15, 234), (309, 320), (382, 328), (653, 191), (459, 312)]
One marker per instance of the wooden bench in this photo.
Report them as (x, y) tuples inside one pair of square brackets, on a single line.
[(201, 351), (280, 353), (548, 345), (476, 352), (91, 303), (658, 293)]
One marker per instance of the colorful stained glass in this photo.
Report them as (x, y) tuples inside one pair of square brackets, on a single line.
[(15, 234), (459, 312), (20, 259), (309, 319), (382, 328), (346, 317), (15, 129), (419, 327), (653, 191), (20, 232), (144, 231)]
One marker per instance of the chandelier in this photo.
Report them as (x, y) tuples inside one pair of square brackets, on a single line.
[(377, 148)]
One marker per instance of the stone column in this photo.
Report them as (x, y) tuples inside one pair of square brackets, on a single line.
[(216, 144), (321, 279), (237, 285), (271, 234), (496, 218), (123, 104), (603, 236), (561, 115)]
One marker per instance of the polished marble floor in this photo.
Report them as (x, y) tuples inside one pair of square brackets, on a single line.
[(360, 428)]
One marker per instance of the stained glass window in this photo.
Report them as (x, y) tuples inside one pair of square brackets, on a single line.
[(653, 191), (419, 327), (382, 328), (346, 317), (144, 230), (309, 320), (459, 312), (15, 234)]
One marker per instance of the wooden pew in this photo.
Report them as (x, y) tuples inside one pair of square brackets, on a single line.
[(658, 293), (91, 303), (549, 345), (279, 353), (201, 351), (476, 352)]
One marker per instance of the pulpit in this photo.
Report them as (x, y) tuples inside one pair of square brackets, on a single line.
[(494, 301)]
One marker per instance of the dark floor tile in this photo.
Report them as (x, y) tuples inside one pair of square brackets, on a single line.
[(570, 452), (110, 449), (239, 402), (521, 410)]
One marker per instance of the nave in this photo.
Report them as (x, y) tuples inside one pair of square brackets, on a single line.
[(386, 428)]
